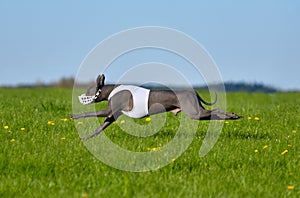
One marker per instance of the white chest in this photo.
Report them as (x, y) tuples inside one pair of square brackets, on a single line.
[(140, 100)]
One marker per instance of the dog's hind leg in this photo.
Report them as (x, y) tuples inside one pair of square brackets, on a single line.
[(218, 114), (215, 114), (191, 105)]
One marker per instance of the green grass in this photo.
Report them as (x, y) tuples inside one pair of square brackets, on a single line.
[(49, 160)]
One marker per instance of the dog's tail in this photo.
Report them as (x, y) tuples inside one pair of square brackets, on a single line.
[(208, 103)]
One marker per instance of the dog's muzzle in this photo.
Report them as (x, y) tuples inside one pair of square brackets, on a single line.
[(84, 99)]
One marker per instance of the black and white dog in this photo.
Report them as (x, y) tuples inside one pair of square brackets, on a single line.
[(138, 102)]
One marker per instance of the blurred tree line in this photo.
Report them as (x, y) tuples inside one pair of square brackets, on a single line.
[(64, 82), (244, 87), (68, 82)]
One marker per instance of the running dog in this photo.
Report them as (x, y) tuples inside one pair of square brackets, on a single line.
[(138, 102)]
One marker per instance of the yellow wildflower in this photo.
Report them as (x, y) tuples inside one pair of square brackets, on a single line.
[(64, 119), (122, 121), (255, 151), (63, 138), (226, 122), (284, 152), (5, 127), (265, 147), (290, 187), (249, 118), (294, 131), (148, 119), (153, 149), (50, 123), (22, 129), (156, 149), (256, 118), (12, 140), (84, 195)]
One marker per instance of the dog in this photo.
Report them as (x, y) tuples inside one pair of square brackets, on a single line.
[(138, 102)]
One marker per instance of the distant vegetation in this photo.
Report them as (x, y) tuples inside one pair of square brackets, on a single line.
[(64, 82), (244, 87), (68, 82)]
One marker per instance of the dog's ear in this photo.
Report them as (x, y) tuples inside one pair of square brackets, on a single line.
[(100, 81)]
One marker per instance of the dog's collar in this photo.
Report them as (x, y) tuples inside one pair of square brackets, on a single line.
[(84, 99), (98, 93)]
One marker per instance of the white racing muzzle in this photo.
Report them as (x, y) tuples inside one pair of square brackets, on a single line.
[(84, 99)]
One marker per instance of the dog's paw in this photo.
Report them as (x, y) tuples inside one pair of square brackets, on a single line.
[(73, 116), (235, 116), (83, 138)]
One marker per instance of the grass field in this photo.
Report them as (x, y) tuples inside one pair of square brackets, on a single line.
[(42, 156)]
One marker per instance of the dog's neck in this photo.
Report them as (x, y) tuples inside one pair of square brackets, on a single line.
[(106, 90)]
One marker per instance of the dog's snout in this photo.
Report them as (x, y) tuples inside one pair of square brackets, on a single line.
[(84, 99)]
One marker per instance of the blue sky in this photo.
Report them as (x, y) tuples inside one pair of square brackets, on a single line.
[(250, 41)]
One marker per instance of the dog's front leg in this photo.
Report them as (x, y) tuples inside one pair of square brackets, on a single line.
[(102, 113), (105, 124)]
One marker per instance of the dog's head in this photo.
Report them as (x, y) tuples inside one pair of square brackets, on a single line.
[(93, 93)]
